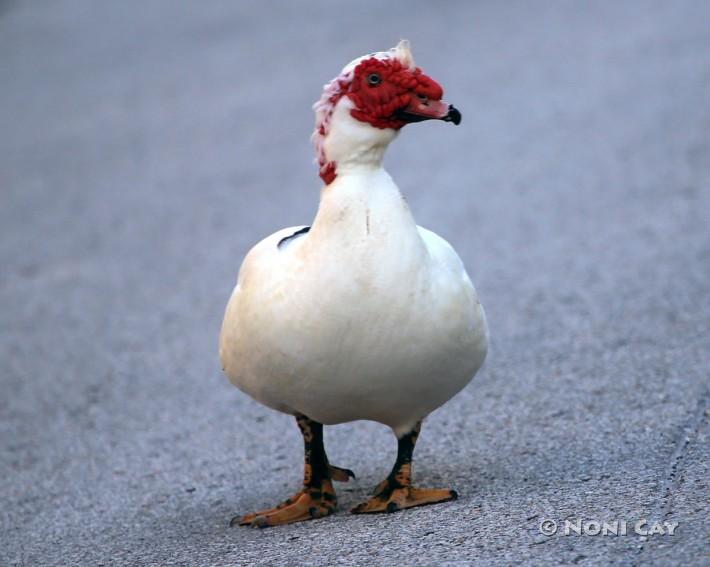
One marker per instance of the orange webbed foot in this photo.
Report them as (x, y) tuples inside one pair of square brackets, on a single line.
[(307, 504), (403, 497)]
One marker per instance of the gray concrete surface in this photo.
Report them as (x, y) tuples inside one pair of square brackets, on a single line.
[(145, 146)]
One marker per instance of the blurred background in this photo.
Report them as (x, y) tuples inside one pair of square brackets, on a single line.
[(146, 146)]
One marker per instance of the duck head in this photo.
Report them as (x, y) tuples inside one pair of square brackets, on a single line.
[(362, 109)]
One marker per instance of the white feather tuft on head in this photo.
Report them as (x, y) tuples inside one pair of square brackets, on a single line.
[(403, 52)]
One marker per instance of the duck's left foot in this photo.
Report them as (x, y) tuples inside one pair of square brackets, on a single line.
[(396, 491), (404, 497)]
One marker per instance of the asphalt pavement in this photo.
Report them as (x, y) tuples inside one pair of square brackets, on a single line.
[(146, 146)]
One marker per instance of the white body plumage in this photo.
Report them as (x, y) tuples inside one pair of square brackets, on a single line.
[(367, 316)]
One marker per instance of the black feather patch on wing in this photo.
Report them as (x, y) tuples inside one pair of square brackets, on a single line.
[(294, 235)]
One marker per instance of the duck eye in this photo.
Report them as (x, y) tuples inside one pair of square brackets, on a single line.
[(373, 79)]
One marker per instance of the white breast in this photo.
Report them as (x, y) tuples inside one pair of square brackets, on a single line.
[(365, 317)]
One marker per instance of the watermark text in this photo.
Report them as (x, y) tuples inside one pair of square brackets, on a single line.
[(592, 527)]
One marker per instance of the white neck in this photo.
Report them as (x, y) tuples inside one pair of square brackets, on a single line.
[(361, 211), (354, 144), (362, 214)]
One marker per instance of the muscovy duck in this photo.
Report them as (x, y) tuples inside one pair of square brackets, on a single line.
[(363, 315)]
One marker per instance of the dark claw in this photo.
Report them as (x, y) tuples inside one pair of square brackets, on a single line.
[(454, 495), (348, 473), (392, 507)]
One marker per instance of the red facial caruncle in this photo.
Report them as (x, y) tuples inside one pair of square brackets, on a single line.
[(386, 91), (381, 87)]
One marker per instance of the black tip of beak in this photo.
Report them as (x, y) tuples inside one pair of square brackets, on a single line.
[(453, 115)]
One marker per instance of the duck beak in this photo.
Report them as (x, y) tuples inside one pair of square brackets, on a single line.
[(420, 109)]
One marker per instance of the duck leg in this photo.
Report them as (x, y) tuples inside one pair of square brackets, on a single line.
[(317, 497), (396, 491)]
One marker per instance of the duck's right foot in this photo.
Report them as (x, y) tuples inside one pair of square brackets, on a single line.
[(317, 498), (306, 504)]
